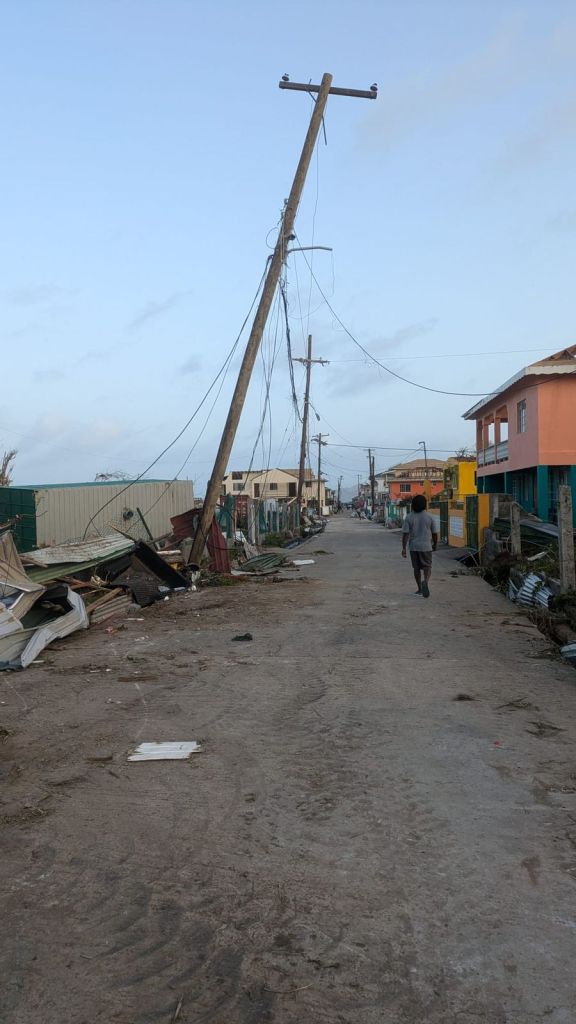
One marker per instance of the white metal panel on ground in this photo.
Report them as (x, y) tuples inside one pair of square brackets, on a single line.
[(63, 513)]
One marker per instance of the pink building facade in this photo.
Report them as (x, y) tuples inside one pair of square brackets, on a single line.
[(526, 435)]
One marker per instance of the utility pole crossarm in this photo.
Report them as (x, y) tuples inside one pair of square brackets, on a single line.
[(362, 94), (307, 362)]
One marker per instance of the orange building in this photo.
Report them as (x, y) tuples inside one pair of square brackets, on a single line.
[(402, 482), (526, 435)]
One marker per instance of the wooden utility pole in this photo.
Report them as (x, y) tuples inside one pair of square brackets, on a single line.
[(566, 540), (320, 443), (372, 480), (308, 364), (272, 277)]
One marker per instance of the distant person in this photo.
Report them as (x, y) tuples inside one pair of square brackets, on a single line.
[(419, 529)]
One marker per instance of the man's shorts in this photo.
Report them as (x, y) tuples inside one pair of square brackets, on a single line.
[(421, 559)]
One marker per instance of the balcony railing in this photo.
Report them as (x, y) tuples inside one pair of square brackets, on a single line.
[(495, 453)]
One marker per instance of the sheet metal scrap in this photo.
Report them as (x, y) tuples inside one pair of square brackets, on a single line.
[(184, 526), (263, 563), (175, 751), (101, 549), (57, 613), (533, 591)]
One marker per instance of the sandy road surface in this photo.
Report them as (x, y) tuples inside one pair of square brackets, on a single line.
[(353, 845)]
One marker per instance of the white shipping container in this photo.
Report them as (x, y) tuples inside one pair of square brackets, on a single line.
[(64, 512)]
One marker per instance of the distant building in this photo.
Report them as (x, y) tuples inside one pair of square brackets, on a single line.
[(273, 483), (403, 481), (526, 435)]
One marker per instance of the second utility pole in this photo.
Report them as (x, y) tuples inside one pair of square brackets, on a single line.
[(308, 364), (372, 479), (320, 443)]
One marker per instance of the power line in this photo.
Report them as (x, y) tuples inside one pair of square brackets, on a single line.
[(191, 418), (450, 355), (384, 448), (284, 296), (422, 387)]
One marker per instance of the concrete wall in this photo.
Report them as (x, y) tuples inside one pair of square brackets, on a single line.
[(557, 423)]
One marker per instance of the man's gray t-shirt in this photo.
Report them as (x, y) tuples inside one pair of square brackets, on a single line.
[(420, 526)]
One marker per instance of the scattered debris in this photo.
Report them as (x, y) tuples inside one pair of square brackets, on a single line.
[(533, 591), (174, 751), (303, 561), (58, 611), (50, 592), (243, 636)]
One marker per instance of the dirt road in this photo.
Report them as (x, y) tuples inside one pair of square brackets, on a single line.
[(354, 844)]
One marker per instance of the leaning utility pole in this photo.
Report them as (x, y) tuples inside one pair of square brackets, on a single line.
[(272, 277), (320, 443), (308, 364)]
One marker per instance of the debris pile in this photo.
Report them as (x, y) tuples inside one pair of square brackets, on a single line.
[(51, 592), (530, 591)]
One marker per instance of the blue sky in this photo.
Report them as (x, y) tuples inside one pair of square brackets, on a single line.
[(147, 150)]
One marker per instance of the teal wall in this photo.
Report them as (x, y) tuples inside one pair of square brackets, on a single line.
[(20, 501)]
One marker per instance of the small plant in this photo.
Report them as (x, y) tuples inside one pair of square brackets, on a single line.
[(273, 540)]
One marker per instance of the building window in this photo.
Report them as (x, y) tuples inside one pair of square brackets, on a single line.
[(256, 490), (521, 416), (237, 476), (272, 487), (405, 488), (237, 487), (291, 490)]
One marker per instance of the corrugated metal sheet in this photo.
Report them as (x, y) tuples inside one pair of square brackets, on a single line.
[(117, 606), (184, 526), (533, 591), (81, 551), (263, 563), (63, 513)]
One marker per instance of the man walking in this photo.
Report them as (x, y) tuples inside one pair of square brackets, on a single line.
[(419, 529)]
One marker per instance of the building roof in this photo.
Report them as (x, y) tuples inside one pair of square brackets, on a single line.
[(308, 473), (401, 467), (557, 364)]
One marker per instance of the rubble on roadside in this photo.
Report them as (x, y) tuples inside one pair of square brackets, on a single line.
[(51, 592)]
